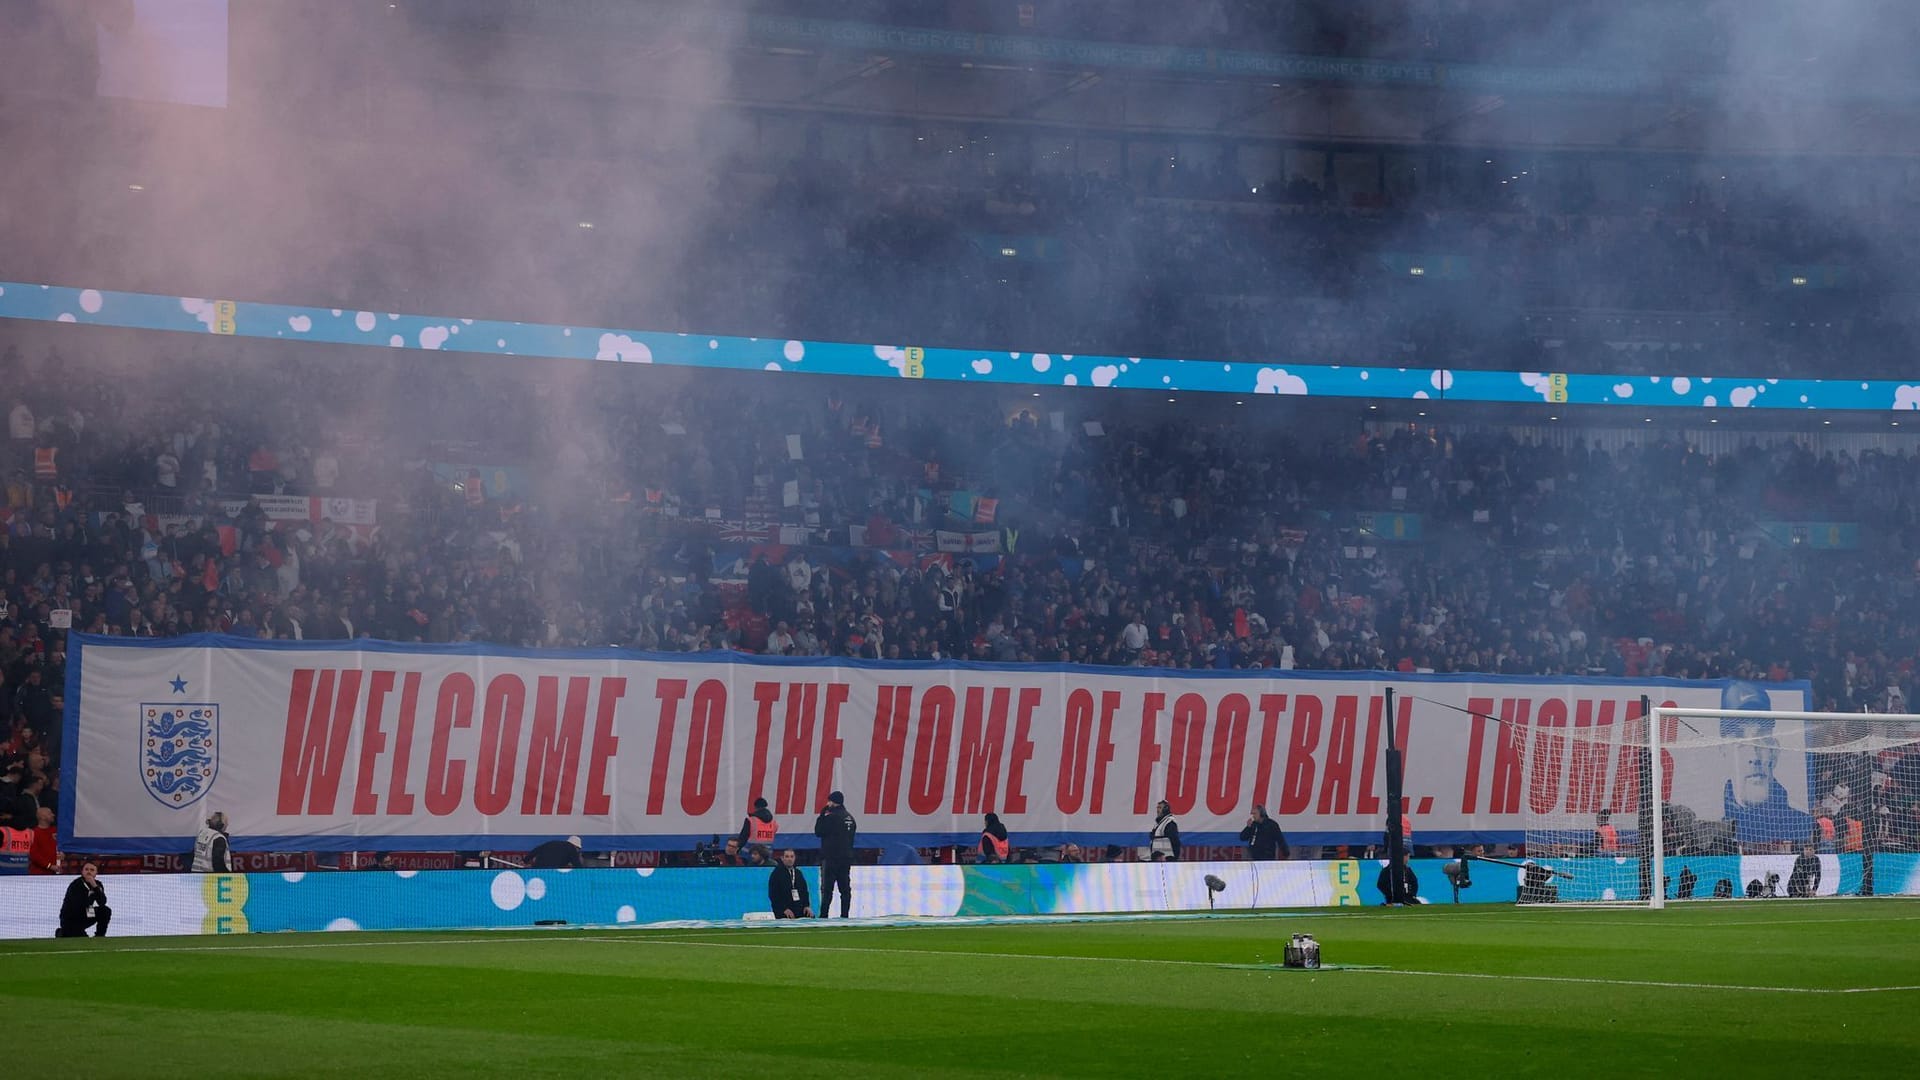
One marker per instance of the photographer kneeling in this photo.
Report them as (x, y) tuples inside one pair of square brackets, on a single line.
[(85, 905)]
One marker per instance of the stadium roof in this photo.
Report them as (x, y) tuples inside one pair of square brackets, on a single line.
[(643, 51)]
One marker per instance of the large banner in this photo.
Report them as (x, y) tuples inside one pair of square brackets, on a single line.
[(336, 746)]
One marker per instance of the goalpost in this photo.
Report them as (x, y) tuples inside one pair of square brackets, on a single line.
[(1751, 804)]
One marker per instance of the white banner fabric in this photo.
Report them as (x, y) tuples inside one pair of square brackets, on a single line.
[(318, 746)]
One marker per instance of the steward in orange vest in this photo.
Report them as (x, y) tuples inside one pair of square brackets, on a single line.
[(1606, 838), (1832, 838), (16, 845), (994, 844), (759, 829)]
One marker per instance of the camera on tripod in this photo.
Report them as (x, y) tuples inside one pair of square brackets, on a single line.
[(707, 852), (1301, 952)]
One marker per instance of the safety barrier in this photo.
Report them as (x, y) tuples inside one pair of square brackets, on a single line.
[(188, 904)]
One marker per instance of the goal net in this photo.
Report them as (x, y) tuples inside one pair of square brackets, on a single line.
[(1753, 804)]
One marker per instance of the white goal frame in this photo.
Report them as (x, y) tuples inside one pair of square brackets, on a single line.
[(1657, 894)]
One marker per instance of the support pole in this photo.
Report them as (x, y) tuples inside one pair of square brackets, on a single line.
[(1396, 844), (1657, 857)]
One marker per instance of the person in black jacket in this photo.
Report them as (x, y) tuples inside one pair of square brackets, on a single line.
[(1805, 879), (555, 854), (787, 890), (995, 845), (1265, 842), (85, 905), (836, 830), (1397, 884)]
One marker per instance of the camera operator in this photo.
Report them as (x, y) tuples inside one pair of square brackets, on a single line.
[(554, 854), (714, 853), (1536, 884)]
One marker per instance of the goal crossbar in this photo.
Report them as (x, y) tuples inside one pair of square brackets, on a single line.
[(1771, 714)]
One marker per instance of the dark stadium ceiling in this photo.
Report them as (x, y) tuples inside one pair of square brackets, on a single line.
[(599, 50)]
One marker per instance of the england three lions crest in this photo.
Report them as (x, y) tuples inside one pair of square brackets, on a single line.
[(179, 751)]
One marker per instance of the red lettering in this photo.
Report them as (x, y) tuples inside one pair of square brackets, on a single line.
[(1070, 789), (1366, 802), (553, 750), (1633, 756), (315, 745), (399, 799), (1548, 757), (506, 705), (927, 788), (1336, 780), (1481, 708), (452, 708), (982, 741), (796, 748), (1403, 729), (700, 782), (1271, 706), (1626, 779), (1027, 704), (372, 742), (831, 745), (765, 694), (892, 715), (1669, 731), (1104, 749), (1183, 765), (669, 691), (1229, 755), (1509, 755), (1149, 751), (1587, 785), (1296, 783), (605, 745)]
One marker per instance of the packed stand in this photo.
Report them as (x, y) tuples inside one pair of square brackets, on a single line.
[(1205, 538)]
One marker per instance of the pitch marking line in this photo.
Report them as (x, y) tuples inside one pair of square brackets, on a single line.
[(500, 938), (948, 953), (1641, 982), (275, 947), (1692, 926), (1213, 964)]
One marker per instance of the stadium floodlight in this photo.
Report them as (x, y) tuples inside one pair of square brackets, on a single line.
[(1753, 803)]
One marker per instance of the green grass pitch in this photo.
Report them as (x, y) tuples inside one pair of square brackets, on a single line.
[(1752, 988)]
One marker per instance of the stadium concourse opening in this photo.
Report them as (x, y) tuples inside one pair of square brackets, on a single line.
[(1073, 490)]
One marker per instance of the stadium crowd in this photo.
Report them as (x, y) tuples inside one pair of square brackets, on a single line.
[(556, 506), (1208, 536)]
